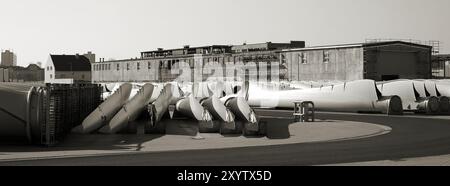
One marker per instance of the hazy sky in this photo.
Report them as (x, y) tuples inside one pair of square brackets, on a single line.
[(123, 28)]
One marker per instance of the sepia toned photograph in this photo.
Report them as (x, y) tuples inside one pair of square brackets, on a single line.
[(225, 83)]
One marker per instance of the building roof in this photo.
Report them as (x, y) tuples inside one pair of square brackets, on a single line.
[(369, 44), (71, 63), (355, 45), (443, 57), (189, 47)]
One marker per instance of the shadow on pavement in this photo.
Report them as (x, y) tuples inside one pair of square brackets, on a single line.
[(279, 128)]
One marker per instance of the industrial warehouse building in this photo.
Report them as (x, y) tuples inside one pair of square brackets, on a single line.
[(158, 65), (375, 60), (378, 61)]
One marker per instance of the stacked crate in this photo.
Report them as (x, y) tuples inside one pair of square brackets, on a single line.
[(66, 106)]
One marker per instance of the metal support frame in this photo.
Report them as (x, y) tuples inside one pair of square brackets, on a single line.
[(304, 111)]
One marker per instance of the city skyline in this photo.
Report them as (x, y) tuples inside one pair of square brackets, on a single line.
[(122, 29)]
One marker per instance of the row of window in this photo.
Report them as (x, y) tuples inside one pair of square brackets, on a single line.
[(166, 64), (170, 63), (232, 58), (106, 67), (102, 67), (303, 58)]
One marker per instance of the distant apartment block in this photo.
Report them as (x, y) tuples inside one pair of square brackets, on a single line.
[(9, 58), (90, 56)]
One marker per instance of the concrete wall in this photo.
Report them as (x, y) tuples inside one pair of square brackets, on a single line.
[(62, 81), (160, 69), (344, 64), (1, 75), (6, 75), (404, 61)]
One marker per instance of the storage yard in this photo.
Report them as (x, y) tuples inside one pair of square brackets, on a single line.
[(304, 96)]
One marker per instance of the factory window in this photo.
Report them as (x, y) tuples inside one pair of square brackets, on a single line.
[(283, 59), (109, 66), (166, 64), (326, 56), (191, 62), (138, 66), (118, 67), (302, 58), (128, 66), (149, 65), (51, 76)]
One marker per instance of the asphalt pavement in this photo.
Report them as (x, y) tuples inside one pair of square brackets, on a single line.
[(411, 137)]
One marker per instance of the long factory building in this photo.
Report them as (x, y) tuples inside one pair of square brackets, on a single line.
[(348, 62)]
